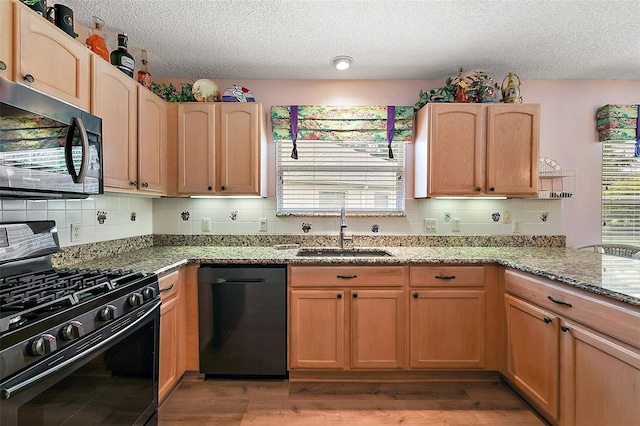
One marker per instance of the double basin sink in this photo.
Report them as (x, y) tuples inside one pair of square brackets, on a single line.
[(337, 252)]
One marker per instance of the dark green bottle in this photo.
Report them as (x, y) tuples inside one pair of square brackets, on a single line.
[(121, 58)]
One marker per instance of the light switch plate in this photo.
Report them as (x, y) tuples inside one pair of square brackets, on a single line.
[(430, 225), (206, 224), (455, 222), (506, 217), (516, 226), (263, 224)]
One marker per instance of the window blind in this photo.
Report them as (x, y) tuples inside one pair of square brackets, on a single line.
[(620, 192), (327, 175)]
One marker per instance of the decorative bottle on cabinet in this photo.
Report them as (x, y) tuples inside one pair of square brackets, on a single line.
[(95, 40), (121, 58), (144, 76)]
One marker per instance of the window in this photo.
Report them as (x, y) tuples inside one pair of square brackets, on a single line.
[(620, 192), (327, 175)]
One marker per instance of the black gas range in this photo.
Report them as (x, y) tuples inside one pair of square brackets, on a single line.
[(66, 333)]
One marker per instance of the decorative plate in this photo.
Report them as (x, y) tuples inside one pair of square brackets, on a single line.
[(205, 90), (237, 93)]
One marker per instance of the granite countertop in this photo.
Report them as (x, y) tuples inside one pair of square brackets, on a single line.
[(615, 277)]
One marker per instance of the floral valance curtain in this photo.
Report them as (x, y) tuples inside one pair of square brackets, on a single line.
[(342, 123)]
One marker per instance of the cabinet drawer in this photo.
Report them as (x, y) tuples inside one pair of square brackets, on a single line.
[(603, 315), (351, 276), (447, 276), (169, 286)]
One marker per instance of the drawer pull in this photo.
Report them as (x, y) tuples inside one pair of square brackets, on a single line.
[(346, 277), (415, 295), (339, 296), (559, 302), (445, 277), (355, 295), (29, 78), (548, 320), (167, 288), (564, 328)]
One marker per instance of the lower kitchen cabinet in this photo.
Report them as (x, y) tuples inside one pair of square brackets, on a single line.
[(377, 329), (573, 355), (600, 379), (317, 329), (447, 328), (172, 333), (329, 332), (533, 353)]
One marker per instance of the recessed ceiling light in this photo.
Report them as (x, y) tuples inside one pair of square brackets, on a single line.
[(342, 62)]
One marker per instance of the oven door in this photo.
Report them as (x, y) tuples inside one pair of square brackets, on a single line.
[(110, 377)]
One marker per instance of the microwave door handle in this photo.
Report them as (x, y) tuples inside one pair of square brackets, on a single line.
[(68, 150)]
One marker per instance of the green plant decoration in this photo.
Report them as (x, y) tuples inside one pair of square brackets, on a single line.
[(479, 87), (170, 94)]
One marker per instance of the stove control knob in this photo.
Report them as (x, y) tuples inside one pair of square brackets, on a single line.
[(71, 331), (135, 299), (43, 345), (107, 313), (148, 293)]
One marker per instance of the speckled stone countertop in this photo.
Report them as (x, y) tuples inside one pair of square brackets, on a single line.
[(615, 277)]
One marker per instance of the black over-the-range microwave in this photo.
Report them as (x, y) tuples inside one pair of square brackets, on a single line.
[(48, 148)]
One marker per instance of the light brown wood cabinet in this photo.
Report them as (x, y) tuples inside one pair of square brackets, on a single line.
[(448, 318), (115, 100), (573, 354), (152, 142), (367, 332), (477, 150), (172, 333), (6, 39), (221, 149), (46, 58), (533, 353)]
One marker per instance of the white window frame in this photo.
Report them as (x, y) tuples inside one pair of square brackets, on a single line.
[(620, 193), (357, 196)]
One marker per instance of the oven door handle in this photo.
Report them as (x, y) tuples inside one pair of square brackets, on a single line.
[(6, 393)]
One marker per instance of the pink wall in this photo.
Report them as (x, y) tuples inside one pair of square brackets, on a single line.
[(567, 123)]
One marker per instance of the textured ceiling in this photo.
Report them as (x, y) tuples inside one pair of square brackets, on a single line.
[(420, 39)]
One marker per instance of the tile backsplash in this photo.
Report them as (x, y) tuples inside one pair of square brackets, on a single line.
[(112, 216)]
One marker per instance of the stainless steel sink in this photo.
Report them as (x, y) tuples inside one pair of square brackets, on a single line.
[(336, 252)]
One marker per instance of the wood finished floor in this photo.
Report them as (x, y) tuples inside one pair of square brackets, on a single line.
[(279, 402)]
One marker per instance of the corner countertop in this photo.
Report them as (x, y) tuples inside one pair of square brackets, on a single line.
[(615, 277)]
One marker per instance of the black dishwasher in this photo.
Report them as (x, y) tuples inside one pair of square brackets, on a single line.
[(242, 317)]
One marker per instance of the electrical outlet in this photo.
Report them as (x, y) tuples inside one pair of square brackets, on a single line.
[(263, 224), (75, 233), (206, 224), (506, 217), (430, 225), (516, 226), (455, 224)]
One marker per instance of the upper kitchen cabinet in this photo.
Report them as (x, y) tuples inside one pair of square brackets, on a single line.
[(6, 39), (221, 149), (477, 150), (46, 58), (197, 148), (115, 100), (152, 137)]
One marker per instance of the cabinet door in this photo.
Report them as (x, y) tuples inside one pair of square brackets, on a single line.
[(57, 63), (317, 324), (239, 127), (6, 39), (172, 332), (456, 149), (151, 141), (196, 149), (447, 328), (115, 100), (533, 353), (513, 135), (600, 379), (377, 329)]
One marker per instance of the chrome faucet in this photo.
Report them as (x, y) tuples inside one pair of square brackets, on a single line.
[(343, 225)]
